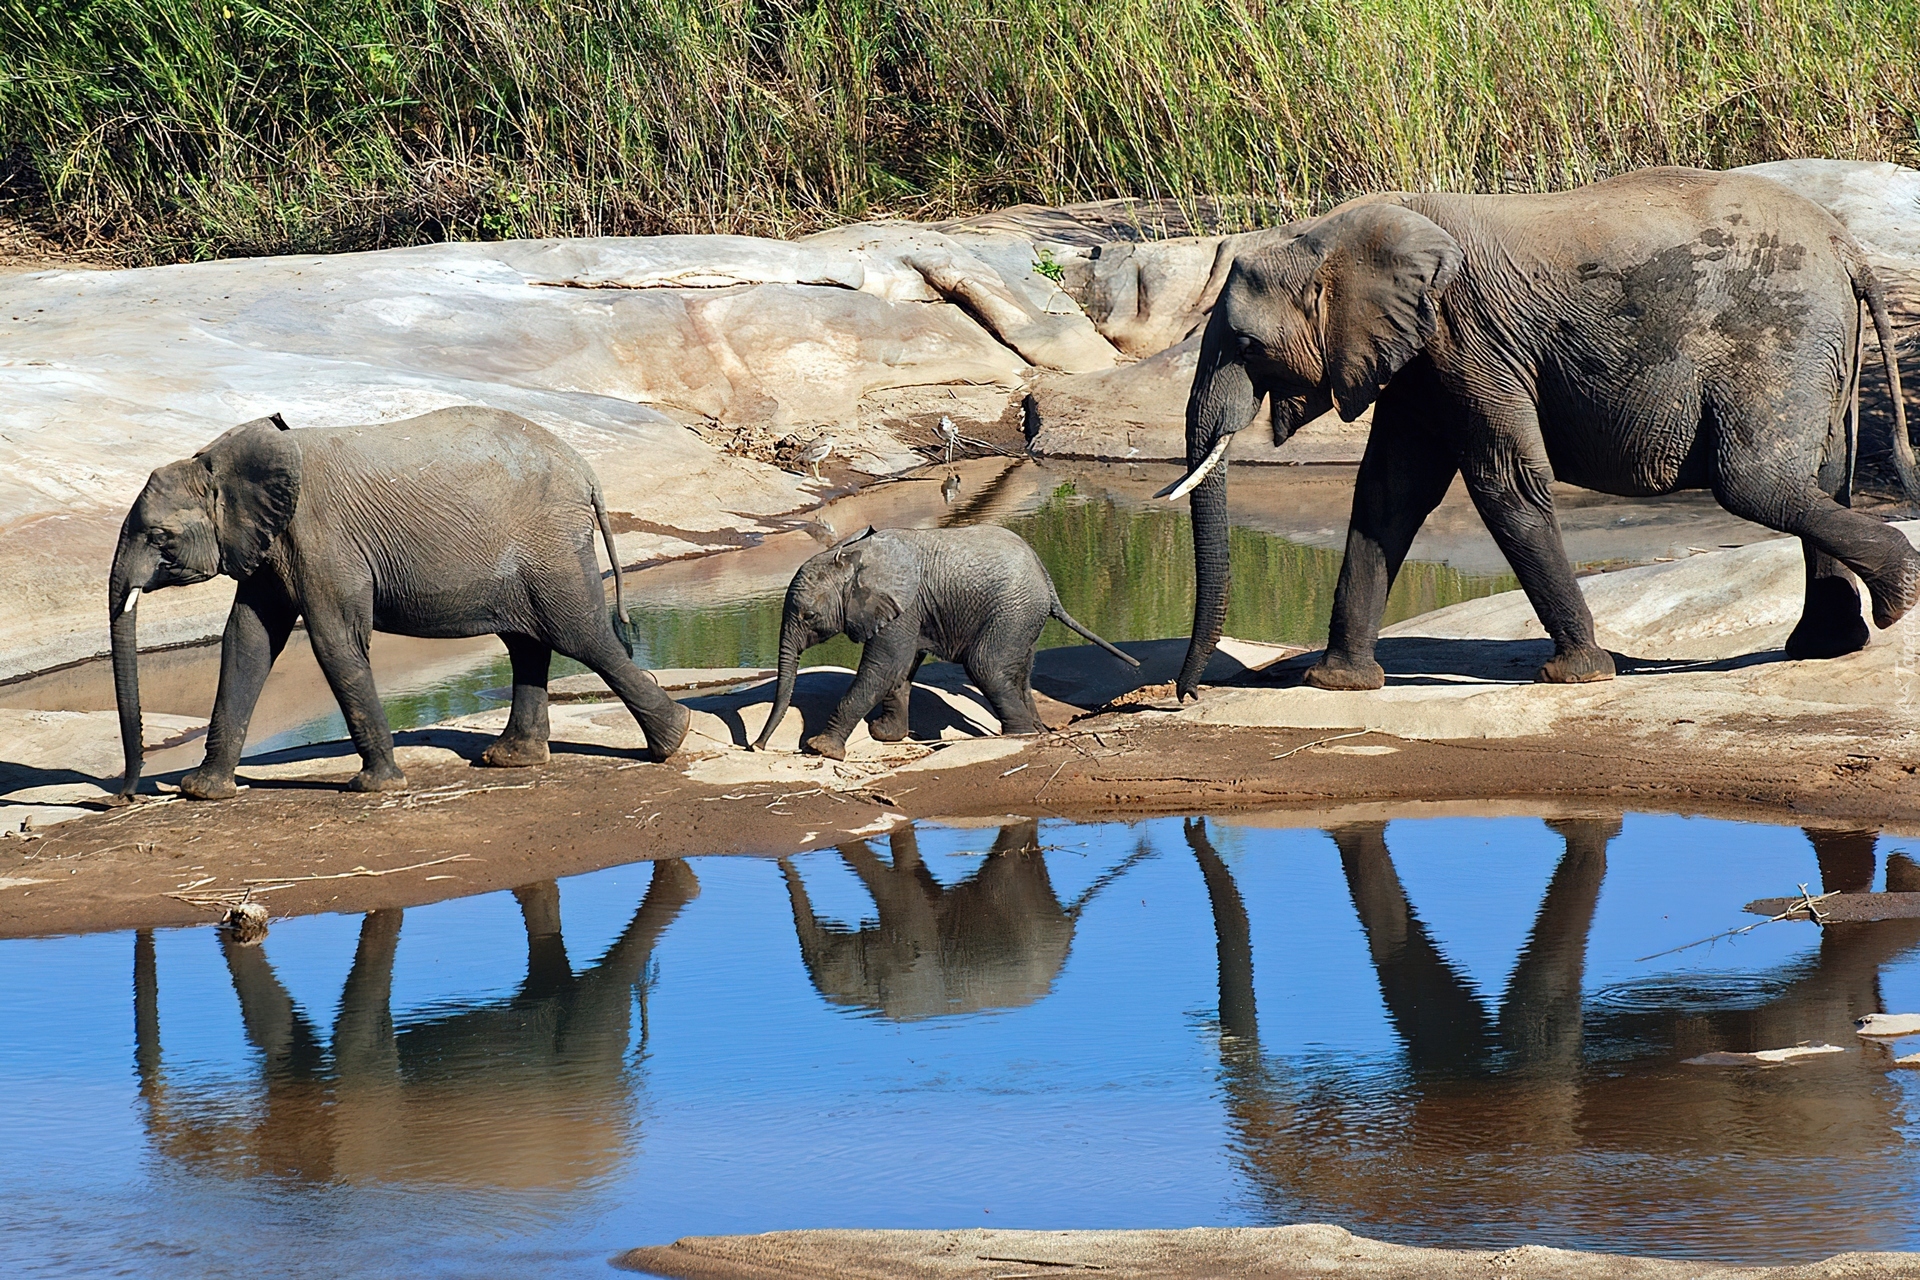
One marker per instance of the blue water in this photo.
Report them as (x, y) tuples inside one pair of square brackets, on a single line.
[(1452, 1039)]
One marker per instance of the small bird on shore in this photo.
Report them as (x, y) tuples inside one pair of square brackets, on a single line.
[(816, 453), (949, 435)]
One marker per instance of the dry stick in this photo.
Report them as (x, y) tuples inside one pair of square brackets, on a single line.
[(359, 871), (1322, 742), (1050, 778), (1808, 903)]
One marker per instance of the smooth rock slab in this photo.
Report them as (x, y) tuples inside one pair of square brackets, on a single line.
[(1258, 1253)]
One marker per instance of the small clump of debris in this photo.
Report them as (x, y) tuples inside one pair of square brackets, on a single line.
[(245, 923)]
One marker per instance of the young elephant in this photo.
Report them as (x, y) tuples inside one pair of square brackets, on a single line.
[(977, 596), (460, 522)]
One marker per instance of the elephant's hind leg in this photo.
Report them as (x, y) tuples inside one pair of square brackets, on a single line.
[(1833, 536), (524, 741), (1008, 684), (663, 720), (1830, 623)]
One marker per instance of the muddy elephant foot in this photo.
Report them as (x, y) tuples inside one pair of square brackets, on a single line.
[(1831, 624), (1339, 673), (520, 753), (386, 777), (1577, 666), (822, 745), (661, 746), (1896, 592), (204, 785), (888, 729)]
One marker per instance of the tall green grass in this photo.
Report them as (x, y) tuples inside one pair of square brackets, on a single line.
[(170, 129)]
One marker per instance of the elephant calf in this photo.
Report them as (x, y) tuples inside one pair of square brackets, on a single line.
[(977, 596), (460, 522)]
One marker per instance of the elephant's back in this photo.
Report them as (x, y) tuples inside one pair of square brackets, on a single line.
[(470, 440)]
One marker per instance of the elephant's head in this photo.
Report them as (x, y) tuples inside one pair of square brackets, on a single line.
[(216, 512), (1322, 316), (854, 589)]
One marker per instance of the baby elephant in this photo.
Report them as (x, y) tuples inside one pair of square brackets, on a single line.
[(977, 596)]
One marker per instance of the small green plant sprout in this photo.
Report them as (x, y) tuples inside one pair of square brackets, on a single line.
[(1045, 264), (1065, 490)]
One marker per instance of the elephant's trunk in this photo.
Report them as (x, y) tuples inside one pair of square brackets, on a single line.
[(1222, 403), (792, 643), (132, 568)]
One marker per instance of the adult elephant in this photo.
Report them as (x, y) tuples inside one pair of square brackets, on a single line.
[(460, 522), (1668, 329)]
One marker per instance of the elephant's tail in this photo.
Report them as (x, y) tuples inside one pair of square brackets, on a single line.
[(1866, 287), (1059, 611), (620, 627)]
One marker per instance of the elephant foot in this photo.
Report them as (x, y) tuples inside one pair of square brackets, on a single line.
[(521, 753), (1348, 674), (203, 784), (1896, 593), (1577, 666), (662, 745), (384, 777), (1830, 625), (822, 745), (889, 729)]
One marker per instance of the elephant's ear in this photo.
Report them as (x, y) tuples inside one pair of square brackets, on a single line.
[(256, 485), (886, 576), (1385, 268)]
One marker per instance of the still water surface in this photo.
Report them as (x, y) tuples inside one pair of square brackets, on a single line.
[(1435, 1031)]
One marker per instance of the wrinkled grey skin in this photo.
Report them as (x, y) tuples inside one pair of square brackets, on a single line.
[(1669, 329), (977, 596), (461, 522)]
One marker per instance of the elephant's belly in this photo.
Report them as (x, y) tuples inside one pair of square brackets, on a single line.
[(443, 612), (1631, 454)]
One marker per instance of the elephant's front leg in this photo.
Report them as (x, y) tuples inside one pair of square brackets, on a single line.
[(1509, 478), (257, 628), (889, 722), (887, 659), (1403, 476), (340, 633)]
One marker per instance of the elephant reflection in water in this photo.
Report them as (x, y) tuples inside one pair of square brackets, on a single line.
[(1542, 1081), (996, 940), (531, 1092)]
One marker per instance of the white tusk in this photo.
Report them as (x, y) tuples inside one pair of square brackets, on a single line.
[(133, 598), (1199, 473)]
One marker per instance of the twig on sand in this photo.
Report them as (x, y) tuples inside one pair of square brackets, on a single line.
[(1045, 1262), (1321, 742), (286, 881), (440, 795), (1807, 902), (1050, 778)]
